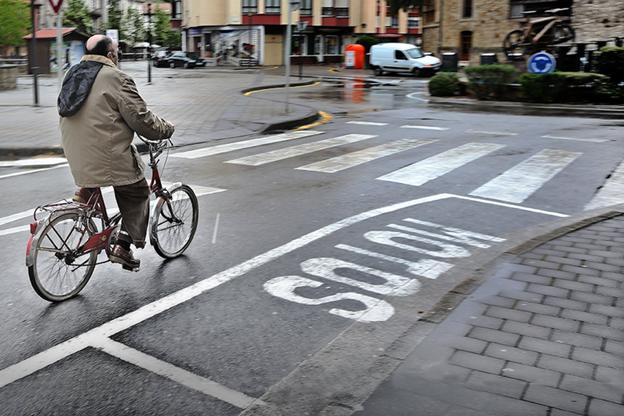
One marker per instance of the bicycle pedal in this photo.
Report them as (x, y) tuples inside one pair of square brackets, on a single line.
[(130, 269)]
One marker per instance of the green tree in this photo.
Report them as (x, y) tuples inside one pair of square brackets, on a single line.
[(133, 26), (14, 22), (164, 35), (396, 5), (115, 16), (77, 15)]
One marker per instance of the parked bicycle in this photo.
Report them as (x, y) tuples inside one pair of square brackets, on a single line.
[(65, 242), (538, 33)]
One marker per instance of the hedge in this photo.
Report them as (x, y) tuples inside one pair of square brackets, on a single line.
[(568, 87), (444, 84), (610, 61), (490, 81)]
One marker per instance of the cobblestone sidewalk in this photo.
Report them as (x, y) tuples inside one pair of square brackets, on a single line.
[(542, 336)]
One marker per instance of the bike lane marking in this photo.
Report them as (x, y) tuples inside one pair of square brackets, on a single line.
[(94, 337)]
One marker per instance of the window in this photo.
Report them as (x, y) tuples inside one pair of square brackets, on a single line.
[(176, 13), (341, 8), (318, 44), (429, 12), (467, 9), (299, 45), (538, 7), (413, 22), (272, 6), (414, 53), (250, 6), (332, 45), (306, 7), (400, 55), (394, 21), (328, 8)]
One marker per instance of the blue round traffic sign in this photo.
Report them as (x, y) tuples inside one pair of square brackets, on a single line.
[(541, 63)]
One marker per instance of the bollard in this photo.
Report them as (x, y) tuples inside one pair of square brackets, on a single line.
[(488, 58)]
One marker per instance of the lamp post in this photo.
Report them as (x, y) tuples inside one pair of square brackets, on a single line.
[(34, 4), (149, 43)]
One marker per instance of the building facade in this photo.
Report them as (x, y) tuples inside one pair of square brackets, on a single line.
[(598, 20), (473, 27), (238, 31)]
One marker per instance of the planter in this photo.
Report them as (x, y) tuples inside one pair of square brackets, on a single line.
[(8, 77)]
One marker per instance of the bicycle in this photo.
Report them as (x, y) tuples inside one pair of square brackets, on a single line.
[(64, 243), (538, 33)]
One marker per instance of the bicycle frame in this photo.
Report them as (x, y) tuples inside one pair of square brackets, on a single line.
[(96, 208)]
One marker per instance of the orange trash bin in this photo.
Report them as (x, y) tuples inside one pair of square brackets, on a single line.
[(354, 56)]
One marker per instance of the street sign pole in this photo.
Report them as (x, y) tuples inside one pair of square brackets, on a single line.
[(293, 5), (59, 47), (33, 54)]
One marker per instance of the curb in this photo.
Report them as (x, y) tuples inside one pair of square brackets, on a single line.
[(522, 108), (276, 86), (31, 151)]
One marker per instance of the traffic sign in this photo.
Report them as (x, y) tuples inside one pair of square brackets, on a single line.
[(301, 25), (56, 5), (541, 63)]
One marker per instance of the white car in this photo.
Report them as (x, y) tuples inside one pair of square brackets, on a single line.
[(402, 57)]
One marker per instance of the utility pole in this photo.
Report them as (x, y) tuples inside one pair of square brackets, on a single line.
[(293, 5), (149, 43), (33, 53)]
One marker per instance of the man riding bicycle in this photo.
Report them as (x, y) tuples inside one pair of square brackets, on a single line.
[(100, 111)]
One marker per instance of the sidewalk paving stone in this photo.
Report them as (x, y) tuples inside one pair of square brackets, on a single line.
[(559, 352)]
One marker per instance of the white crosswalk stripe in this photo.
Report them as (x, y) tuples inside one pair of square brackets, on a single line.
[(408, 126), (349, 160), (433, 167), (280, 154), (612, 192), (367, 123), (229, 147), (521, 181)]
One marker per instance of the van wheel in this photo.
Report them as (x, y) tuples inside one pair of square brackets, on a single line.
[(415, 72), (378, 71), (172, 64)]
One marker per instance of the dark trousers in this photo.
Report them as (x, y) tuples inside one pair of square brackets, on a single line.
[(133, 202)]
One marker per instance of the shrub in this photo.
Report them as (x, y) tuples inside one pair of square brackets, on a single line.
[(489, 81), (610, 61), (444, 84), (562, 87)]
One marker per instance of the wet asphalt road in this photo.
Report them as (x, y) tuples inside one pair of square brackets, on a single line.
[(341, 263)]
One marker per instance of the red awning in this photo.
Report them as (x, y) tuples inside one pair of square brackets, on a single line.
[(50, 33)]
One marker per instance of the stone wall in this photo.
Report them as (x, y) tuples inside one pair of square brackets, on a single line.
[(8, 77), (598, 19), (489, 25)]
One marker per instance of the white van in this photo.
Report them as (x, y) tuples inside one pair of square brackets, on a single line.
[(402, 57)]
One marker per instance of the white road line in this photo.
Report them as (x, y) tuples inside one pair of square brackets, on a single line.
[(407, 126), (92, 337), (349, 160), (28, 172), (431, 168), (612, 192), (575, 139), (502, 204), (414, 94), (367, 123), (492, 133), (177, 374), (216, 229), (42, 161), (302, 149), (521, 181), (229, 147)]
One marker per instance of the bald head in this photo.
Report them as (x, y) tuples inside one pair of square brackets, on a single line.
[(102, 45)]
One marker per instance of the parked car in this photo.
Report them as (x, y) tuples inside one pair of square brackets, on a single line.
[(159, 58), (199, 59), (181, 59), (402, 57)]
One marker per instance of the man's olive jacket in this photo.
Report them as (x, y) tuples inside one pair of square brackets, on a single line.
[(100, 110)]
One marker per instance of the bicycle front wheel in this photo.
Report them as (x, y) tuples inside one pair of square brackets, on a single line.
[(513, 42), (59, 271), (174, 222)]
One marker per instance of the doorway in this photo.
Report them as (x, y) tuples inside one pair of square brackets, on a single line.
[(465, 43)]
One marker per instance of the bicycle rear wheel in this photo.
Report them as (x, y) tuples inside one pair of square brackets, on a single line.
[(58, 273), (174, 222), (513, 43)]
